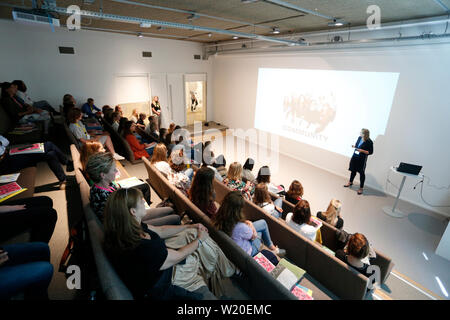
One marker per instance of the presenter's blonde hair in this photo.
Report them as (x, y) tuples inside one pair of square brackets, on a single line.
[(366, 134)]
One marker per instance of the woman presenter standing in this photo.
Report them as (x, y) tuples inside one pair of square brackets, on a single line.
[(363, 148)]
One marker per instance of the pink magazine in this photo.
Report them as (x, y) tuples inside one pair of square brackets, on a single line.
[(301, 294), (264, 262), (34, 148)]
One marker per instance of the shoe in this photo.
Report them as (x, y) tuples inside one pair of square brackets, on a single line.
[(360, 191), (118, 157), (348, 185), (62, 185), (280, 252)]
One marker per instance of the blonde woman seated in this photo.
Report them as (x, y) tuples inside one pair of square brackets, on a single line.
[(234, 182), (147, 258), (262, 199), (88, 149), (79, 131), (300, 220), (333, 214)]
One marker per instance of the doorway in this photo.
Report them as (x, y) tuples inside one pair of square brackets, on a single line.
[(195, 98)]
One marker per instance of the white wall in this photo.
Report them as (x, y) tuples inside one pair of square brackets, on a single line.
[(419, 124), (31, 53)]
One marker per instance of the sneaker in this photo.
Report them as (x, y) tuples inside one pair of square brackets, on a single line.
[(118, 157), (280, 252)]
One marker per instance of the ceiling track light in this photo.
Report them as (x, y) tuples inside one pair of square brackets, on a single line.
[(337, 23), (275, 30), (192, 16), (140, 35)]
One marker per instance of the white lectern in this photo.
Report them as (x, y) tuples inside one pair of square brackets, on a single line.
[(392, 211)]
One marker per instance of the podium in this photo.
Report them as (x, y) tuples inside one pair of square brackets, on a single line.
[(393, 211)]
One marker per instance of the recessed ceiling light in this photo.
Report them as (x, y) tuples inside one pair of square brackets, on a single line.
[(210, 35), (235, 37)]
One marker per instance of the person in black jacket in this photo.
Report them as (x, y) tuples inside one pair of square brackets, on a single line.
[(363, 148)]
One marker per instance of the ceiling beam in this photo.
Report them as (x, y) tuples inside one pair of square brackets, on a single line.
[(190, 12), (291, 6), (113, 17)]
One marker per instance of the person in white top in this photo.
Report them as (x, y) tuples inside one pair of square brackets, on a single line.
[(79, 131), (115, 121), (262, 198), (264, 176), (300, 220), (134, 116)]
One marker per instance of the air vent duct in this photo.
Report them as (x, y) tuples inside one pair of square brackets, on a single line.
[(66, 50), (146, 54), (197, 57)]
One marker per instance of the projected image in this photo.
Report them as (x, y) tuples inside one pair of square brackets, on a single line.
[(324, 108)]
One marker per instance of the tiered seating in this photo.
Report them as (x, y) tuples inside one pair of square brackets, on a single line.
[(330, 241), (112, 286), (260, 284), (333, 273)]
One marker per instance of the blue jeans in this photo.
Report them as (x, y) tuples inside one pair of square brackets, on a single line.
[(278, 203), (27, 270), (189, 172), (262, 229)]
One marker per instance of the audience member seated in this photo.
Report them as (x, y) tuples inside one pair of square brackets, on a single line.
[(139, 149), (89, 109), (25, 268), (52, 155), (264, 176), (300, 220), (358, 254), (140, 255), (79, 131), (20, 112), (108, 114), (29, 214), (152, 127), (68, 104), (248, 235), (115, 121), (22, 94), (262, 199), (220, 164), (141, 120), (295, 192), (202, 192), (181, 176), (234, 182), (101, 169), (333, 214), (247, 174), (88, 149), (119, 110), (159, 159), (122, 122)]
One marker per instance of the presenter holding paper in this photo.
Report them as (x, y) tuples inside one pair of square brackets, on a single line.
[(363, 148)]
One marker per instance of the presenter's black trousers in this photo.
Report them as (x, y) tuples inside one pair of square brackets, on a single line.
[(362, 177)]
